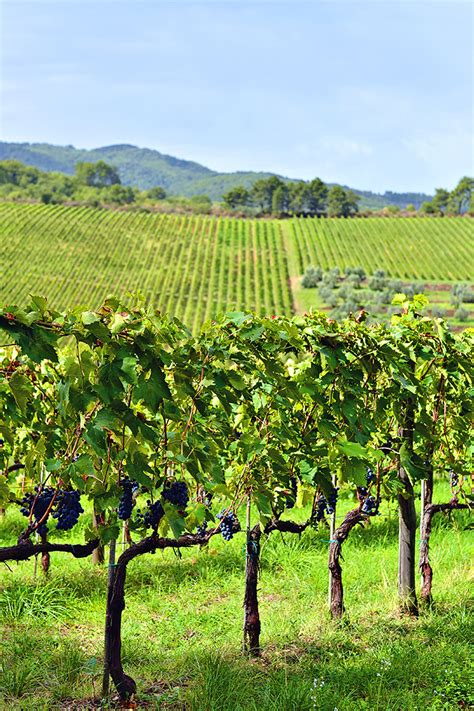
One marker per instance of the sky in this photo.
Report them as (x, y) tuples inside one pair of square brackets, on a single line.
[(376, 95)]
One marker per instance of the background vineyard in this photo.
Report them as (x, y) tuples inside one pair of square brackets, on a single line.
[(195, 267)]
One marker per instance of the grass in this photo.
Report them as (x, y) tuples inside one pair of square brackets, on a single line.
[(182, 628)]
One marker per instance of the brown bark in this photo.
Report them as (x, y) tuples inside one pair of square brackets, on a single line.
[(98, 553), (340, 535), (407, 525), (27, 549), (45, 557), (124, 684), (252, 625), (285, 526), (425, 567)]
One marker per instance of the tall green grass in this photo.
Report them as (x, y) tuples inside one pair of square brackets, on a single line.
[(182, 628)]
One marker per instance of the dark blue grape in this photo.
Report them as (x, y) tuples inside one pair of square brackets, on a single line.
[(370, 506), (320, 508), (454, 478), (331, 501), (176, 493), (201, 530), (67, 509), (126, 502), (152, 516), (40, 502), (228, 521), (370, 476)]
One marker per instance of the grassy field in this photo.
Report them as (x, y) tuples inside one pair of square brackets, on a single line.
[(195, 267), (182, 628)]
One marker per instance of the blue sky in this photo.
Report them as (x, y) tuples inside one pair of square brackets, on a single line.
[(377, 95)]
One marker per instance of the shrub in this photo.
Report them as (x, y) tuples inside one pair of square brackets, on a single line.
[(377, 281), (461, 314), (312, 277), (355, 270)]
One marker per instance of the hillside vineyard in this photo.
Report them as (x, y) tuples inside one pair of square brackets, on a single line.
[(195, 267)]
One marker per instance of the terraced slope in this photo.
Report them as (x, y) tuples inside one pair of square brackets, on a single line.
[(195, 267)]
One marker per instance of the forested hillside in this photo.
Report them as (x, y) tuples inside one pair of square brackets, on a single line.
[(146, 168)]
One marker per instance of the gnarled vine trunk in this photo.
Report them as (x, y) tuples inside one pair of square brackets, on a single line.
[(98, 554), (124, 684), (425, 567), (427, 486), (45, 557), (341, 533), (407, 524), (251, 614)]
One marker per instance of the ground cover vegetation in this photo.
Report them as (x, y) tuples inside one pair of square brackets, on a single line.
[(195, 267), (173, 440)]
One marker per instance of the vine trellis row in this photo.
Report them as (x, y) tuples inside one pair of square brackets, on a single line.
[(159, 430)]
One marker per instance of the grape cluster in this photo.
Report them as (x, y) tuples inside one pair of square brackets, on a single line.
[(228, 521), (362, 491), (454, 479), (126, 500), (201, 530), (41, 500), (320, 508), (370, 476), (152, 515), (331, 501), (370, 506), (176, 493), (68, 509)]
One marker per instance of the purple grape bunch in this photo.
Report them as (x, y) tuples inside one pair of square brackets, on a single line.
[(126, 502), (227, 520), (176, 493), (67, 509)]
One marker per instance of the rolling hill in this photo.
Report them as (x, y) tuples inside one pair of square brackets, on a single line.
[(195, 267), (145, 168)]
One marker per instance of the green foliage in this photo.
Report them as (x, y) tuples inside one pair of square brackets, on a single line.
[(97, 175), (236, 197), (312, 277), (341, 203), (156, 193)]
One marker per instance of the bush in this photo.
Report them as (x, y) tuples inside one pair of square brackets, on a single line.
[(378, 282), (326, 294), (461, 293), (461, 314), (359, 271), (354, 281), (312, 277)]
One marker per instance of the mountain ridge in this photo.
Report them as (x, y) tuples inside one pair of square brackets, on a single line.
[(148, 167)]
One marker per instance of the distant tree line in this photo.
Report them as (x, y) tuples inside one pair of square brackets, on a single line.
[(273, 196), (98, 184), (457, 202)]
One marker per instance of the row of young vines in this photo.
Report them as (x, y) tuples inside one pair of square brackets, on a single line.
[(409, 249), (172, 435), (79, 255)]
